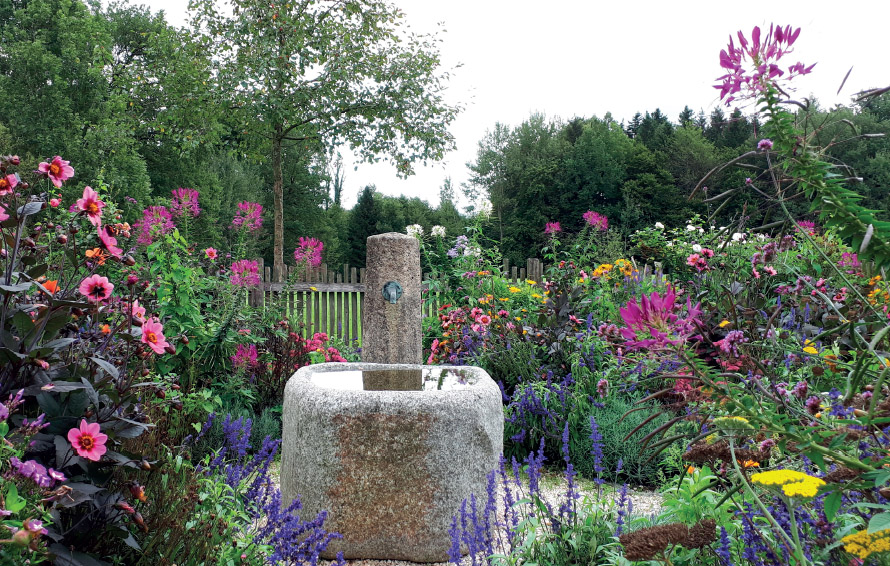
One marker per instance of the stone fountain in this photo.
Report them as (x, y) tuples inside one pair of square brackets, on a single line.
[(389, 447)]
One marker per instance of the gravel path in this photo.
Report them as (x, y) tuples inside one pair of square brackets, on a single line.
[(553, 485)]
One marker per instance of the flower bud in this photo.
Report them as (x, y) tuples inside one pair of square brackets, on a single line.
[(129, 261), (170, 349), (160, 394), (73, 230), (62, 239), (15, 160)]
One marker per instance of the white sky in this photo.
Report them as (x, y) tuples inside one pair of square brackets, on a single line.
[(569, 58)]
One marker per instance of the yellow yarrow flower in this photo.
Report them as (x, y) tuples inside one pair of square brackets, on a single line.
[(862, 544), (792, 483), (809, 348)]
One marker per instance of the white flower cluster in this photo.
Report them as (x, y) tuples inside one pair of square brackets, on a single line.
[(659, 226), (438, 231), (415, 230)]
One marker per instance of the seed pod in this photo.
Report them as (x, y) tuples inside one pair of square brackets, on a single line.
[(184, 339), (129, 261), (145, 372), (73, 230), (160, 394), (62, 239)]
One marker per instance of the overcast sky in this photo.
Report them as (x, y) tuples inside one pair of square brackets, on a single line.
[(569, 58)]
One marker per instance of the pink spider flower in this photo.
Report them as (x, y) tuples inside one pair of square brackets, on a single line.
[(309, 251), (57, 170), (88, 441), (248, 216), (185, 203), (596, 220), (751, 68), (245, 273), (156, 221), (153, 336), (96, 288), (658, 317), (245, 357), (552, 228), (91, 206)]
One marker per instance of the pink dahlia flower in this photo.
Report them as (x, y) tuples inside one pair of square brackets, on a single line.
[(96, 288), (153, 335), (8, 183), (91, 206), (57, 170), (109, 241), (87, 441), (211, 253)]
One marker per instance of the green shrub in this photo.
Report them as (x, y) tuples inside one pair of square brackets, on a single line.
[(637, 466)]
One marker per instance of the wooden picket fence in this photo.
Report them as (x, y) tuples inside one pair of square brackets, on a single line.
[(330, 301)]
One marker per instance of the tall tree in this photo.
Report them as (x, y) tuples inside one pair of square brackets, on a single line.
[(362, 223), (330, 70)]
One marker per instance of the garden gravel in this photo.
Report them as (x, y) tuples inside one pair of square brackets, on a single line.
[(645, 503)]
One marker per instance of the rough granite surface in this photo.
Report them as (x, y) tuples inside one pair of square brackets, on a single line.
[(391, 333), (390, 467)]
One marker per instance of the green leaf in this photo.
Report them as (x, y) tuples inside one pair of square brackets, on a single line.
[(879, 522), (832, 504)]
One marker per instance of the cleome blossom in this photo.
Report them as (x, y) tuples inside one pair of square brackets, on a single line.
[(751, 68), (309, 251), (654, 322)]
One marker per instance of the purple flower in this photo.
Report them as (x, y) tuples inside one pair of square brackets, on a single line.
[(4, 412), (156, 221), (185, 202), (309, 251), (656, 316), (552, 228), (596, 448), (245, 357), (765, 144), (723, 551), (33, 471), (249, 216), (760, 58), (813, 404), (596, 220), (602, 387), (245, 273), (729, 344)]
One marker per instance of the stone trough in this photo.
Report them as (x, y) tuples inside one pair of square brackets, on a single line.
[(390, 451)]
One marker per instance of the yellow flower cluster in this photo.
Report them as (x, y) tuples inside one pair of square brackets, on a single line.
[(793, 484), (515, 289), (809, 348), (863, 544), (625, 267), (603, 269)]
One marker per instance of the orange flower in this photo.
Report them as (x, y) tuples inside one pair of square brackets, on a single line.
[(97, 254), (52, 286), (106, 329), (750, 464), (691, 470)]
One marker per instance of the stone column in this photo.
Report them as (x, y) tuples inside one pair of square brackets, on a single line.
[(391, 317)]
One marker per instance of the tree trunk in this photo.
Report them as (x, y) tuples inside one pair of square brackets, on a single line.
[(278, 191)]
